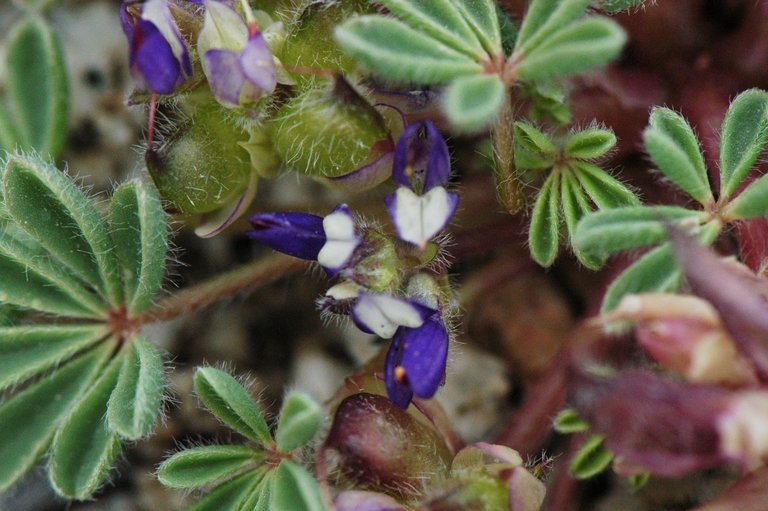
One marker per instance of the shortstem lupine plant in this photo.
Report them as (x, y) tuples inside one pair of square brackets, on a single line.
[(424, 106)]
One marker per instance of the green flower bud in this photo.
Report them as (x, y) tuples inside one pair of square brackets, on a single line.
[(201, 166), (377, 270), (479, 492), (329, 132)]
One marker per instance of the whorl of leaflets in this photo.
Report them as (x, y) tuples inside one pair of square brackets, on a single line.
[(420, 209)]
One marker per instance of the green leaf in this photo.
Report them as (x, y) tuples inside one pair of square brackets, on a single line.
[(441, 20), (32, 279), (472, 102), (56, 213), (544, 18), (638, 481), (673, 146), (138, 228), (84, 448), (300, 419), (751, 203), (295, 489), (201, 466), (616, 5), (575, 205), (28, 350), (743, 137), (584, 45), (656, 271), (568, 422), (591, 458), (9, 135), (604, 190), (232, 404), (483, 18), (393, 49), (549, 101), (138, 395), (31, 417), (590, 143), (229, 496), (34, 5), (37, 86), (606, 232), (544, 233), (534, 150)]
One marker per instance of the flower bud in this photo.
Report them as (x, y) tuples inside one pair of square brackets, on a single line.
[(381, 447), (329, 132), (201, 167)]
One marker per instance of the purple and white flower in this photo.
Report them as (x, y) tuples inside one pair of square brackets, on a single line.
[(421, 207), (235, 57), (158, 56)]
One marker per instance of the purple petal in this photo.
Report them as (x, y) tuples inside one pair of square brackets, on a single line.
[(257, 63), (417, 358), (356, 500), (367, 176), (155, 60), (421, 155), (225, 75), (296, 234), (127, 22), (382, 314)]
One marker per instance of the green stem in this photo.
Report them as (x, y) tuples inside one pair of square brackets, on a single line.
[(508, 185), (240, 280)]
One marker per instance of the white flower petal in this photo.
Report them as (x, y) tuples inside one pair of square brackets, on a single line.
[(383, 314), (341, 239), (419, 218)]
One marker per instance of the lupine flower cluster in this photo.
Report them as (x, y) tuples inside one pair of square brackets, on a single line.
[(412, 310)]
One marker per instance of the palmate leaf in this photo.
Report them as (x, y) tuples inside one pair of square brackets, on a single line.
[(533, 148), (31, 417), (544, 233), (751, 203), (295, 489), (544, 18), (231, 494), (202, 466), (589, 144), (484, 20), (300, 420), (37, 89), (575, 205), (743, 137), (52, 210), (605, 191), (472, 102)]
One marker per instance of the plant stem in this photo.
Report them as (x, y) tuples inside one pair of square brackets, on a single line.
[(508, 187), (240, 280)]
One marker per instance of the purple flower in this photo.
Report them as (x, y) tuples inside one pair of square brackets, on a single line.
[(331, 240), (236, 59), (415, 362), (158, 56), (421, 207)]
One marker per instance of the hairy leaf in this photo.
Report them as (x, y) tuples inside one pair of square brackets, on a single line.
[(230, 495), (544, 18), (575, 205), (533, 148), (544, 233), (202, 466), (751, 203), (568, 421), (591, 458), (743, 137), (673, 146), (300, 419), (472, 102), (482, 17), (393, 49), (231, 403), (590, 143), (295, 489), (604, 190)]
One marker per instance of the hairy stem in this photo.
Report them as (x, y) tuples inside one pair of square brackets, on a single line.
[(508, 186), (240, 280)]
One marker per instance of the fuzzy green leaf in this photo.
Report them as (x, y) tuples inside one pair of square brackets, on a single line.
[(472, 102), (37, 86), (84, 448), (441, 20), (533, 149), (743, 137), (751, 203), (544, 233), (606, 232), (568, 422), (28, 350), (231, 403), (575, 205), (616, 5), (138, 395), (591, 458), (483, 18), (391, 48), (295, 489), (9, 135), (548, 101), (31, 279), (31, 417), (673, 146), (300, 419), (229, 495), (584, 45), (202, 466), (656, 271), (604, 190), (544, 18), (590, 143), (56, 213), (138, 228)]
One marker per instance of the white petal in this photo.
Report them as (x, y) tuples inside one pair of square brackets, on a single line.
[(419, 218), (383, 314), (341, 240), (344, 291)]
